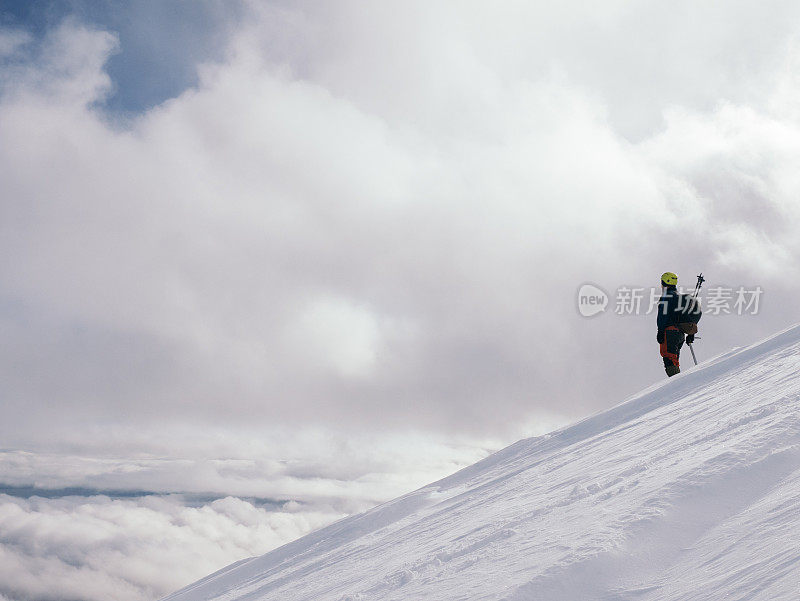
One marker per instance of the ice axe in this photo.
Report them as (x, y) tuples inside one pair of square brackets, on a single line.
[(700, 280)]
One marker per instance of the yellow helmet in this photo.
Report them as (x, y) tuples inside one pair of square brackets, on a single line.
[(669, 279)]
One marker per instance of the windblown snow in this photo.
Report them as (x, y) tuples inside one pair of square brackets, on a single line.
[(688, 490)]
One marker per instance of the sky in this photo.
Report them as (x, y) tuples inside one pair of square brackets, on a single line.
[(321, 254)]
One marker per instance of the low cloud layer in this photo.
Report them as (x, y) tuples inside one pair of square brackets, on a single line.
[(346, 473), (95, 526), (96, 548)]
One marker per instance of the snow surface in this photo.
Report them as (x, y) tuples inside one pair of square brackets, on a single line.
[(688, 490)]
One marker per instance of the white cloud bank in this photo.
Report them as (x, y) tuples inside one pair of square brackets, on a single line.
[(94, 526), (381, 223), (95, 548), (344, 473)]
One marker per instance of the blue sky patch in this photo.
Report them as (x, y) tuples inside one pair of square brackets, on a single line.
[(160, 42)]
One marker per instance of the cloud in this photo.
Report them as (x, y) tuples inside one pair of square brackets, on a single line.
[(271, 466), (96, 548), (67, 67), (92, 525), (325, 237)]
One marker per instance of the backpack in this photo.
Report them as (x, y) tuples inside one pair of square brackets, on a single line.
[(692, 312)]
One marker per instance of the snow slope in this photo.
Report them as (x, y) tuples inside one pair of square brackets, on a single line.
[(688, 490)]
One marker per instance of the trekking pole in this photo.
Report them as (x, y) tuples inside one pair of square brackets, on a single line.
[(689, 344), (700, 280)]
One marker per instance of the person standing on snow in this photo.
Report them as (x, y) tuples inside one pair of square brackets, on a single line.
[(677, 321)]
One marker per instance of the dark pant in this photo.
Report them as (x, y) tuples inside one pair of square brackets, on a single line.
[(671, 349)]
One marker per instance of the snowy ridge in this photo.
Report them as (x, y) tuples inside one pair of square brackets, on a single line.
[(688, 490)]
